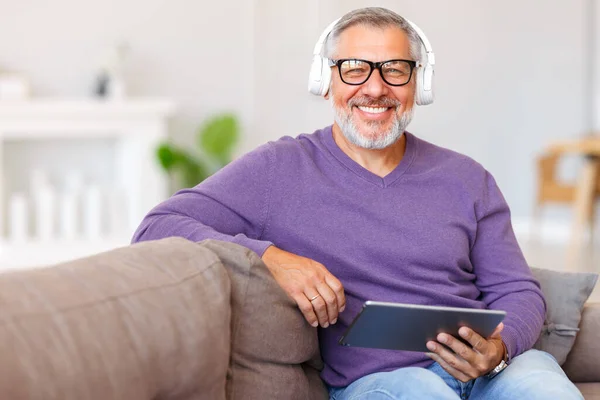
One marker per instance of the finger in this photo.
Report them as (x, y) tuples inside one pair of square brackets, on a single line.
[(448, 368), (319, 307), (479, 344), (330, 302), (307, 309), (338, 289), (497, 331), (452, 360), (461, 349)]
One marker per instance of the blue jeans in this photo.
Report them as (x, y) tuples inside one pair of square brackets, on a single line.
[(532, 375)]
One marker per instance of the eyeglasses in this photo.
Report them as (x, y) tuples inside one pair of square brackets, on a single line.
[(357, 72)]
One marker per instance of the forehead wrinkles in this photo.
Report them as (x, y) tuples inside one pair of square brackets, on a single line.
[(373, 44)]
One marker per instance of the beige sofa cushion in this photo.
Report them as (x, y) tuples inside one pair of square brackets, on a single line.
[(565, 294), (274, 351), (150, 321)]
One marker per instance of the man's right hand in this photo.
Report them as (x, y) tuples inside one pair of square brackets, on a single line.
[(319, 294)]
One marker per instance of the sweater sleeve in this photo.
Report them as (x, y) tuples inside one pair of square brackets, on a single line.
[(232, 205), (503, 276)]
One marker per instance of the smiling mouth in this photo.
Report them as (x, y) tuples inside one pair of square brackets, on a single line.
[(373, 110)]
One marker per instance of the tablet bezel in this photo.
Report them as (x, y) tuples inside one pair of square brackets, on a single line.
[(382, 325)]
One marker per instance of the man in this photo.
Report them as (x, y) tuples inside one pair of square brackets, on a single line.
[(362, 211)]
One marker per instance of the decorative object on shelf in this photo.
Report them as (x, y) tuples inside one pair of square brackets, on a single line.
[(110, 82), (67, 213), (44, 200), (18, 212), (89, 210), (69, 206), (92, 212), (13, 86), (117, 210), (216, 140)]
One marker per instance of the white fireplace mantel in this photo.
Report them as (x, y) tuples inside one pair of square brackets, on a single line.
[(59, 118), (136, 125)]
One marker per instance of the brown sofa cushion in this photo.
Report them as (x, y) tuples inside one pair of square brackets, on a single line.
[(583, 362), (150, 321), (565, 294), (590, 391), (274, 351)]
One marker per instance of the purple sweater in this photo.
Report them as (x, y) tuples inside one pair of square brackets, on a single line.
[(435, 231)]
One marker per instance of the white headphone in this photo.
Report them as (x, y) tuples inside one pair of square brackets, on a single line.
[(320, 71)]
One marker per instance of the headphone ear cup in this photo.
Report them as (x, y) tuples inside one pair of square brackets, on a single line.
[(314, 77), (319, 77), (424, 90)]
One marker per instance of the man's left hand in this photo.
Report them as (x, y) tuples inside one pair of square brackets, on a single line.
[(468, 362)]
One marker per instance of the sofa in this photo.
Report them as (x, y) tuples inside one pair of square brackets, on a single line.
[(176, 320)]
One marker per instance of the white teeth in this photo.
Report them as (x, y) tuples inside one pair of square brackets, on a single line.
[(373, 110)]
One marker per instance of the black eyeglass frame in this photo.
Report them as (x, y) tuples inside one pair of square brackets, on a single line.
[(374, 65)]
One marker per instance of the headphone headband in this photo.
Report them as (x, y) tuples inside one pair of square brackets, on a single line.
[(425, 41), (323, 37), (422, 37)]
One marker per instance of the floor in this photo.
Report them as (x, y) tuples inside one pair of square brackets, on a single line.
[(557, 256)]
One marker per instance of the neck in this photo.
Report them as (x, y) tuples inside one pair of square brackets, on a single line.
[(377, 161)]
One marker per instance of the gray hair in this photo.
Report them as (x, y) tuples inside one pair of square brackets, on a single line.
[(376, 17)]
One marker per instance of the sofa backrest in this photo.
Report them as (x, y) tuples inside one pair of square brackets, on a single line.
[(149, 321)]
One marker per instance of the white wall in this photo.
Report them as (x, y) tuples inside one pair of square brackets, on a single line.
[(196, 52), (511, 75)]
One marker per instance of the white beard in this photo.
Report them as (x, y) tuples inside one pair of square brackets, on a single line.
[(381, 141)]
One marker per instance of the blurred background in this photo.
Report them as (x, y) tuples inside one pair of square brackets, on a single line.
[(90, 90)]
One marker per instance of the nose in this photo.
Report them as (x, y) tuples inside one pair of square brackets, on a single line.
[(375, 86)]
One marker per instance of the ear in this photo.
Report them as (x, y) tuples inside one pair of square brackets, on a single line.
[(326, 95)]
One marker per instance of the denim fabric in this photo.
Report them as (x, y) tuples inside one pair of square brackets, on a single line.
[(532, 375)]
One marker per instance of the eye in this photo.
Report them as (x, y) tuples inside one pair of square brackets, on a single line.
[(394, 71), (355, 67), (356, 70), (396, 68)]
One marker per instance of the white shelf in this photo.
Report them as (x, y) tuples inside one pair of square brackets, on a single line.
[(30, 254), (59, 118)]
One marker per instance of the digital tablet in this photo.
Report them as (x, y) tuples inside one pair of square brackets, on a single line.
[(409, 327)]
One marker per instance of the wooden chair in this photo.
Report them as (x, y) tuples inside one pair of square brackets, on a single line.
[(582, 194)]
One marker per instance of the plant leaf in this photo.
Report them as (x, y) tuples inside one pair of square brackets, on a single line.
[(218, 136), (166, 156), (193, 172), (176, 160)]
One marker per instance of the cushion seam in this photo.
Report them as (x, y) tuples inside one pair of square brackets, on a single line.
[(236, 325)]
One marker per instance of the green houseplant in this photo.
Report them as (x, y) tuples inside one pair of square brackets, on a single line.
[(216, 140)]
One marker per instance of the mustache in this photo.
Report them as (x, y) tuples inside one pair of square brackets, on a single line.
[(365, 101)]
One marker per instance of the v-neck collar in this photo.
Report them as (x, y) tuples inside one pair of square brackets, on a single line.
[(344, 159)]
